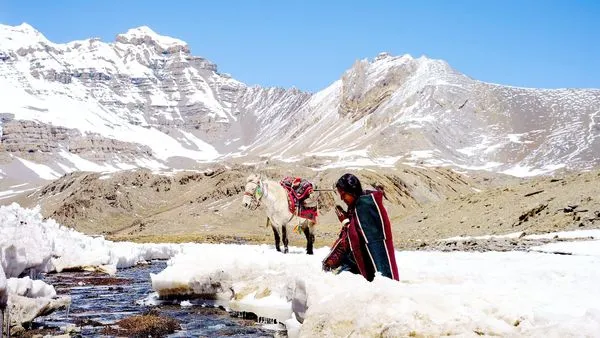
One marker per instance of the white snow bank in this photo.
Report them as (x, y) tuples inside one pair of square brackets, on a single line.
[(588, 234), (253, 278), (26, 309), (27, 299), (582, 248), (28, 287), (458, 293), (24, 298), (576, 234), (30, 245), (484, 237)]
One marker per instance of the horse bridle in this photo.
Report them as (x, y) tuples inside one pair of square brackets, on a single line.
[(257, 194)]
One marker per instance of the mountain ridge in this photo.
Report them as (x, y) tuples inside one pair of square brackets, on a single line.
[(145, 101)]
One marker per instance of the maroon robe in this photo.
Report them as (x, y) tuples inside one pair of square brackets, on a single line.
[(366, 240)]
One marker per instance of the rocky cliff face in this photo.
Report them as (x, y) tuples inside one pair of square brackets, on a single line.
[(30, 137), (145, 101), (143, 97)]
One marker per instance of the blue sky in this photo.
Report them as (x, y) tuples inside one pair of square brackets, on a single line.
[(309, 44)]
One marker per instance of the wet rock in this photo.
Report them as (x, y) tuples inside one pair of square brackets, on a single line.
[(531, 213), (17, 331), (88, 322)]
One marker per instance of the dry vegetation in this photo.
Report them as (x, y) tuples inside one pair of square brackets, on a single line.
[(425, 204)]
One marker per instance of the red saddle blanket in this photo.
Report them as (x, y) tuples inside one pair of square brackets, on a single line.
[(298, 190)]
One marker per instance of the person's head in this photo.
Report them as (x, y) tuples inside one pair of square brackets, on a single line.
[(349, 188)]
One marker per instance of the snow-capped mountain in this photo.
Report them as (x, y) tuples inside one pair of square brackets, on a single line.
[(145, 101), (419, 110), (142, 100)]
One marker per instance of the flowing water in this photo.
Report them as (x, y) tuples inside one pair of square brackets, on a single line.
[(98, 300)]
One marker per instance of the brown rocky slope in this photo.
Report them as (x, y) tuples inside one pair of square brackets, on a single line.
[(425, 204)]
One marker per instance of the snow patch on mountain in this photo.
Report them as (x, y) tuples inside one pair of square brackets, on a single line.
[(145, 32)]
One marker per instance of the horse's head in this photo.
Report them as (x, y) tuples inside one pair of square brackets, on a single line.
[(253, 192)]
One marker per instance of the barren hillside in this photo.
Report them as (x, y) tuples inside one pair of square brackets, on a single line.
[(205, 205), (425, 204)]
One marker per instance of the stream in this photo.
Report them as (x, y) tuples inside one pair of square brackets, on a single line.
[(98, 300)]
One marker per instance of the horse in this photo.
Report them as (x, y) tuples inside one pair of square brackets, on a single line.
[(272, 195)]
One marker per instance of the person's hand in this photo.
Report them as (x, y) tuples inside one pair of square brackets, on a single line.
[(341, 214)]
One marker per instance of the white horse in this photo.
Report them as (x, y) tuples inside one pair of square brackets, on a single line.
[(273, 196)]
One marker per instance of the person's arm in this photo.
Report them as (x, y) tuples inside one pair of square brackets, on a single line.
[(341, 245), (338, 250)]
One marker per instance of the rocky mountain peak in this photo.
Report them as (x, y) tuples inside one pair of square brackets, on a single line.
[(145, 35), (26, 28), (382, 55), (13, 38)]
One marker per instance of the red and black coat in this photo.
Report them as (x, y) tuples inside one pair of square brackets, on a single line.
[(367, 237)]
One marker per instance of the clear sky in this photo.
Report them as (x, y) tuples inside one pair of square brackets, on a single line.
[(309, 44)]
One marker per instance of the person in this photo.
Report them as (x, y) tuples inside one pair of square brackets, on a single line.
[(365, 244)]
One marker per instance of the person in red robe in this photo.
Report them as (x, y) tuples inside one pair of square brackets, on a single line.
[(365, 244)]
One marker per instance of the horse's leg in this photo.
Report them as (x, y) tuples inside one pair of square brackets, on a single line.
[(310, 237), (7, 321), (275, 233), (285, 238)]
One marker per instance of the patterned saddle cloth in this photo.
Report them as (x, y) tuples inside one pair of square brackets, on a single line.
[(300, 201)]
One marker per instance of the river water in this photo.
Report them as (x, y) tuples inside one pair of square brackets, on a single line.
[(98, 300)]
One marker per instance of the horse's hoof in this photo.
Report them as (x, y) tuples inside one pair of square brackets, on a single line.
[(286, 250), (309, 252)]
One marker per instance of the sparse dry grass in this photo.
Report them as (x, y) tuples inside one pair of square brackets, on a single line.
[(144, 326)]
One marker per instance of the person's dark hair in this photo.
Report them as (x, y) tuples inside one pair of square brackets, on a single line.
[(350, 184)]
